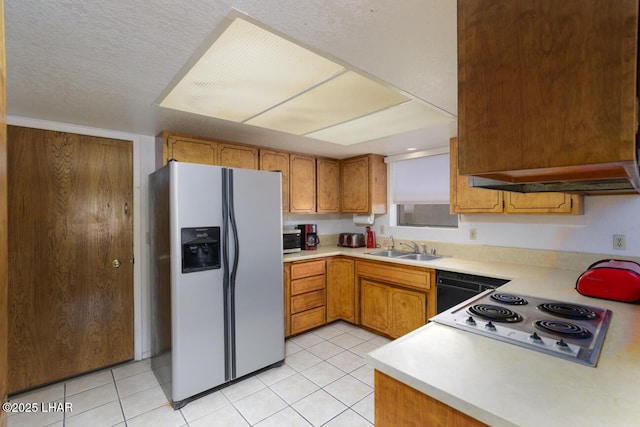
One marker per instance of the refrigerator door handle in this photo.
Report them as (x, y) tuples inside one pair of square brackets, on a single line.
[(225, 274), (234, 272)]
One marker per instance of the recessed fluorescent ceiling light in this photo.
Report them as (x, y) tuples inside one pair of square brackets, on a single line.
[(252, 75)]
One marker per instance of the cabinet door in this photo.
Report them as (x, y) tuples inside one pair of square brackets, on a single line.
[(464, 199), (303, 184), (543, 203), (191, 150), (238, 156), (408, 311), (354, 182), (277, 161), (545, 84), (328, 176), (341, 296), (374, 306)]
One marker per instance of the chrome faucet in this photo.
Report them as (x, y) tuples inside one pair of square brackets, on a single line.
[(393, 243), (424, 248), (413, 245)]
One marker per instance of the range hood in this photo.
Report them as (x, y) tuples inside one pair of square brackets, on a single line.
[(605, 179)]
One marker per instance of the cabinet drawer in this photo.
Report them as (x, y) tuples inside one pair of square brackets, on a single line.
[(307, 301), (307, 269), (419, 278), (307, 320), (308, 284)]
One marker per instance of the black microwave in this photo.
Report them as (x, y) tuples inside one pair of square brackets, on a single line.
[(291, 241)]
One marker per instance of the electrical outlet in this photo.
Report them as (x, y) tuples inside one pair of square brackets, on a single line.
[(619, 242), (381, 228), (473, 233)]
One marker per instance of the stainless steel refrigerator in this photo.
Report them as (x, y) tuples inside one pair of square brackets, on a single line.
[(216, 276)]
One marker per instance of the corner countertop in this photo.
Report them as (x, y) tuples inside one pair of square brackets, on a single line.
[(505, 385)]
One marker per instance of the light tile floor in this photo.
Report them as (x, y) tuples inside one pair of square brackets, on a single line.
[(324, 382)]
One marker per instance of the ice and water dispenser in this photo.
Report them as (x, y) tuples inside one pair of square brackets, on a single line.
[(200, 249)]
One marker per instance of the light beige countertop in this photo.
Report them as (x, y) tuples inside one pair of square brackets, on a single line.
[(502, 384)]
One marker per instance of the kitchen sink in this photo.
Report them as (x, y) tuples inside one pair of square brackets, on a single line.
[(419, 257), (391, 253)]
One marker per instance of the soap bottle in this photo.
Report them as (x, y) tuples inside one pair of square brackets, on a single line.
[(371, 238)]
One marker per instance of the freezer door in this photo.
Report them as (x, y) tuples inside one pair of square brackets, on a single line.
[(259, 318), (197, 301)]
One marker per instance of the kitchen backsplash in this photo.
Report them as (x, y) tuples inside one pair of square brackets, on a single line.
[(533, 257)]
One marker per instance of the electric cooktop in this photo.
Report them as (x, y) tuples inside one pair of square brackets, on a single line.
[(570, 331)]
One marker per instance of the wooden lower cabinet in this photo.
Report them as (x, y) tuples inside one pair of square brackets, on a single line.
[(390, 310), (375, 310), (397, 404), (305, 296), (408, 311), (309, 319), (389, 299), (394, 300), (341, 292)]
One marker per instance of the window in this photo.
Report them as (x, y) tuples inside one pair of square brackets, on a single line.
[(421, 191)]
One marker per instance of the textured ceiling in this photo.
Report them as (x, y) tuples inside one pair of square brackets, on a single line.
[(104, 64)]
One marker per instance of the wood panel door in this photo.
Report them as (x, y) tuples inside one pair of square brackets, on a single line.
[(354, 183), (302, 184), (277, 161), (70, 255), (191, 150), (543, 203), (464, 199), (328, 175), (408, 311), (341, 292), (375, 311), (238, 156)]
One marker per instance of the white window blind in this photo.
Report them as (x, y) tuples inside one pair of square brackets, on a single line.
[(424, 180)]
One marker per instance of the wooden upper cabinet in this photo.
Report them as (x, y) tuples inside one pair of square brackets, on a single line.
[(302, 196), (271, 160), (193, 149), (185, 149), (328, 185), (363, 184), (548, 85), (465, 200), (238, 156)]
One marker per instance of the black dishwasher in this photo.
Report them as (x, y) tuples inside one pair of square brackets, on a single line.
[(454, 288)]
